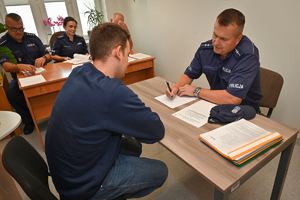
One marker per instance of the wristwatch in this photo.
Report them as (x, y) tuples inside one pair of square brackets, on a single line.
[(45, 57), (196, 91)]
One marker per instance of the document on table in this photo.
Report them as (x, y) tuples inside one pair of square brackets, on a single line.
[(37, 71), (139, 56), (240, 141), (196, 114), (31, 80), (176, 101), (79, 58), (131, 59)]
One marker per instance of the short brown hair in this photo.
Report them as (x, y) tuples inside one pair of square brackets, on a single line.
[(13, 16), (67, 19), (230, 16), (104, 38)]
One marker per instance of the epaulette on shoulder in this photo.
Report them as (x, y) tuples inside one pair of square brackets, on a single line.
[(3, 42), (206, 45), (238, 53), (60, 36), (30, 34)]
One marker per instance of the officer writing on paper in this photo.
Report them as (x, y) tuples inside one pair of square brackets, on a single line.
[(230, 62), (30, 53)]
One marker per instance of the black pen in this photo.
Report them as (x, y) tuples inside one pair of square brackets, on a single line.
[(169, 87)]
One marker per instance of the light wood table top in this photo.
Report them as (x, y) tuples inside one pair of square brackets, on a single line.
[(182, 139)]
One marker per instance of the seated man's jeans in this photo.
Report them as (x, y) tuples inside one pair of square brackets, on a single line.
[(131, 175)]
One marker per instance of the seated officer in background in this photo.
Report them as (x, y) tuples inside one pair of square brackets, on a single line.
[(87, 156), (119, 19), (30, 53), (68, 43), (230, 62)]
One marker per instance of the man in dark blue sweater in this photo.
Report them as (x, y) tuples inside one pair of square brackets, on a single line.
[(87, 155)]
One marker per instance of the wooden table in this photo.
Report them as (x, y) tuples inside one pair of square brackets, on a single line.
[(182, 139), (41, 97)]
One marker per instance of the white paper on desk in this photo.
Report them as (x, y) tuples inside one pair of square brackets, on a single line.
[(31, 80), (176, 101), (37, 71), (235, 135), (196, 114), (131, 59), (139, 56), (79, 58), (73, 66)]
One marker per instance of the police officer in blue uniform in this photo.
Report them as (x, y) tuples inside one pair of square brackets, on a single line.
[(67, 44), (230, 62), (30, 53)]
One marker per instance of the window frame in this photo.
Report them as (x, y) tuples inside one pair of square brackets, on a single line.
[(39, 13)]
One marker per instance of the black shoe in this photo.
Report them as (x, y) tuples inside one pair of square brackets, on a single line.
[(29, 128)]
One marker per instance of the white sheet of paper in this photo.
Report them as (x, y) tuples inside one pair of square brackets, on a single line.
[(139, 56), (196, 114), (37, 71), (131, 59), (31, 80), (176, 101), (79, 58), (73, 66)]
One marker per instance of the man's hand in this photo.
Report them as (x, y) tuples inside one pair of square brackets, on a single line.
[(187, 90), (39, 62), (123, 25), (172, 94), (28, 69)]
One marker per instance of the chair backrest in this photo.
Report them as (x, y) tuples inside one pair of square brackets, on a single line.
[(28, 168), (55, 36), (271, 84)]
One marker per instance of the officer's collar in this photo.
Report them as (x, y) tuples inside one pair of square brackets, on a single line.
[(9, 37)]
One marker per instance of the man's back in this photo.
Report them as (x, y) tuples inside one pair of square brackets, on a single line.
[(90, 114)]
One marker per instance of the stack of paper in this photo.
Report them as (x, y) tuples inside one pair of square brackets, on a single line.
[(37, 71), (139, 56), (240, 141), (79, 58)]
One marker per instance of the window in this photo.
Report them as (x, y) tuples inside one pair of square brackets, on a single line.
[(82, 8), (23, 11), (55, 9)]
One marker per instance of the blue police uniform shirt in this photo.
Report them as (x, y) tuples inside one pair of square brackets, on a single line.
[(26, 52), (64, 47), (238, 72)]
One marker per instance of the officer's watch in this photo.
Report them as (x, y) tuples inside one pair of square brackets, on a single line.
[(45, 57), (196, 91)]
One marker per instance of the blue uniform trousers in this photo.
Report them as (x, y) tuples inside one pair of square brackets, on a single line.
[(17, 100)]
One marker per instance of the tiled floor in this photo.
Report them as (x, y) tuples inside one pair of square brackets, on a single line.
[(185, 184)]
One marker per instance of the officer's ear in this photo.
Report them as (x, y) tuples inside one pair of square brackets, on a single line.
[(238, 39)]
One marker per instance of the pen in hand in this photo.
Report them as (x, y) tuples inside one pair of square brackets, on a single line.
[(169, 87)]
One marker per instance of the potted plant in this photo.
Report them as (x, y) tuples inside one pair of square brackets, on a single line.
[(95, 17), (5, 50)]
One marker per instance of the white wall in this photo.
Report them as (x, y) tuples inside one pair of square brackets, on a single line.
[(173, 30)]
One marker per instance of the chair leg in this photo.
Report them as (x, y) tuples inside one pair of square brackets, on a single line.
[(270, 112)]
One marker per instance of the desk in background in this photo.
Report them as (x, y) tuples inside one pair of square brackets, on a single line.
[(182, 139), (41, 97)]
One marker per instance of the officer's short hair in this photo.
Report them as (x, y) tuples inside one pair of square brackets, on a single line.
[(230, 16), (104, 38), (67, 19), (13, 16)]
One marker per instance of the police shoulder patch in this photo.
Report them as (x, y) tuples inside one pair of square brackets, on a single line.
[(60, 36)]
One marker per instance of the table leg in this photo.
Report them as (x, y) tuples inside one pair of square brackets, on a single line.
[(283, 166), (220, 195)]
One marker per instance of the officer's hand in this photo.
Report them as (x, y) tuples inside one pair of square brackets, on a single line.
[(67, 58), (39, 62), (187, 90), (173, 92), (28, 69)]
